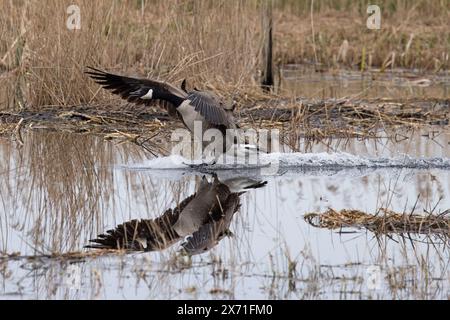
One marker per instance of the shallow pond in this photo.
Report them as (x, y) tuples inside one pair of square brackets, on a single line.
[(307, 81), (59, 190)]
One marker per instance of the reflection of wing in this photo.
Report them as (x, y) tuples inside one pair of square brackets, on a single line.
[(142, 235), (211, 233), (210, 107)]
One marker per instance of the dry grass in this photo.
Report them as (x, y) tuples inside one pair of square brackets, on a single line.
[(205, 43), (215, 44), (413, 34), (385, 223)]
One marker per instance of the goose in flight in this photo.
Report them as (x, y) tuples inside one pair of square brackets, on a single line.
[(189, 106), (202, 219)]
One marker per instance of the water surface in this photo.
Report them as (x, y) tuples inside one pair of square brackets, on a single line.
[(59, 190)]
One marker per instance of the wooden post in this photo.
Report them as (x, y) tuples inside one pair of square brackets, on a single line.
[(267, 28)]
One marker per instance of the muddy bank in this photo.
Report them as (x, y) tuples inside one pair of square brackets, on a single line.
[(305, 117)]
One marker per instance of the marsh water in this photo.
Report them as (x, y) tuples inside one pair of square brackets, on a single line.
[(59, 190), (306, 80)]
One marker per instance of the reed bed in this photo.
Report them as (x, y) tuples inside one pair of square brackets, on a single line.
[(386, 222), (413, 34), (215, 44), (44, 61)]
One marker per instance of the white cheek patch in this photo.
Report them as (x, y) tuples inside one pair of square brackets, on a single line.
[(148, 95)]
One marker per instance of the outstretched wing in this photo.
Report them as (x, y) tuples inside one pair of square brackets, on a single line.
[(137, 90), (142, 235), (211, 108)]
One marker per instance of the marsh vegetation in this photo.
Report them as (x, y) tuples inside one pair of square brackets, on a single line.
[(361, 213)]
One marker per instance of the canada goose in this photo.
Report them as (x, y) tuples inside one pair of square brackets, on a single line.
[(190, 106), (203, 219)]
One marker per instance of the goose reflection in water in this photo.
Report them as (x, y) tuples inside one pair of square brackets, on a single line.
[(202, 220)]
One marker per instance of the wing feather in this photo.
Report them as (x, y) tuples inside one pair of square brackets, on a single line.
[(133, 89), (142, 235), (210, 107)]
